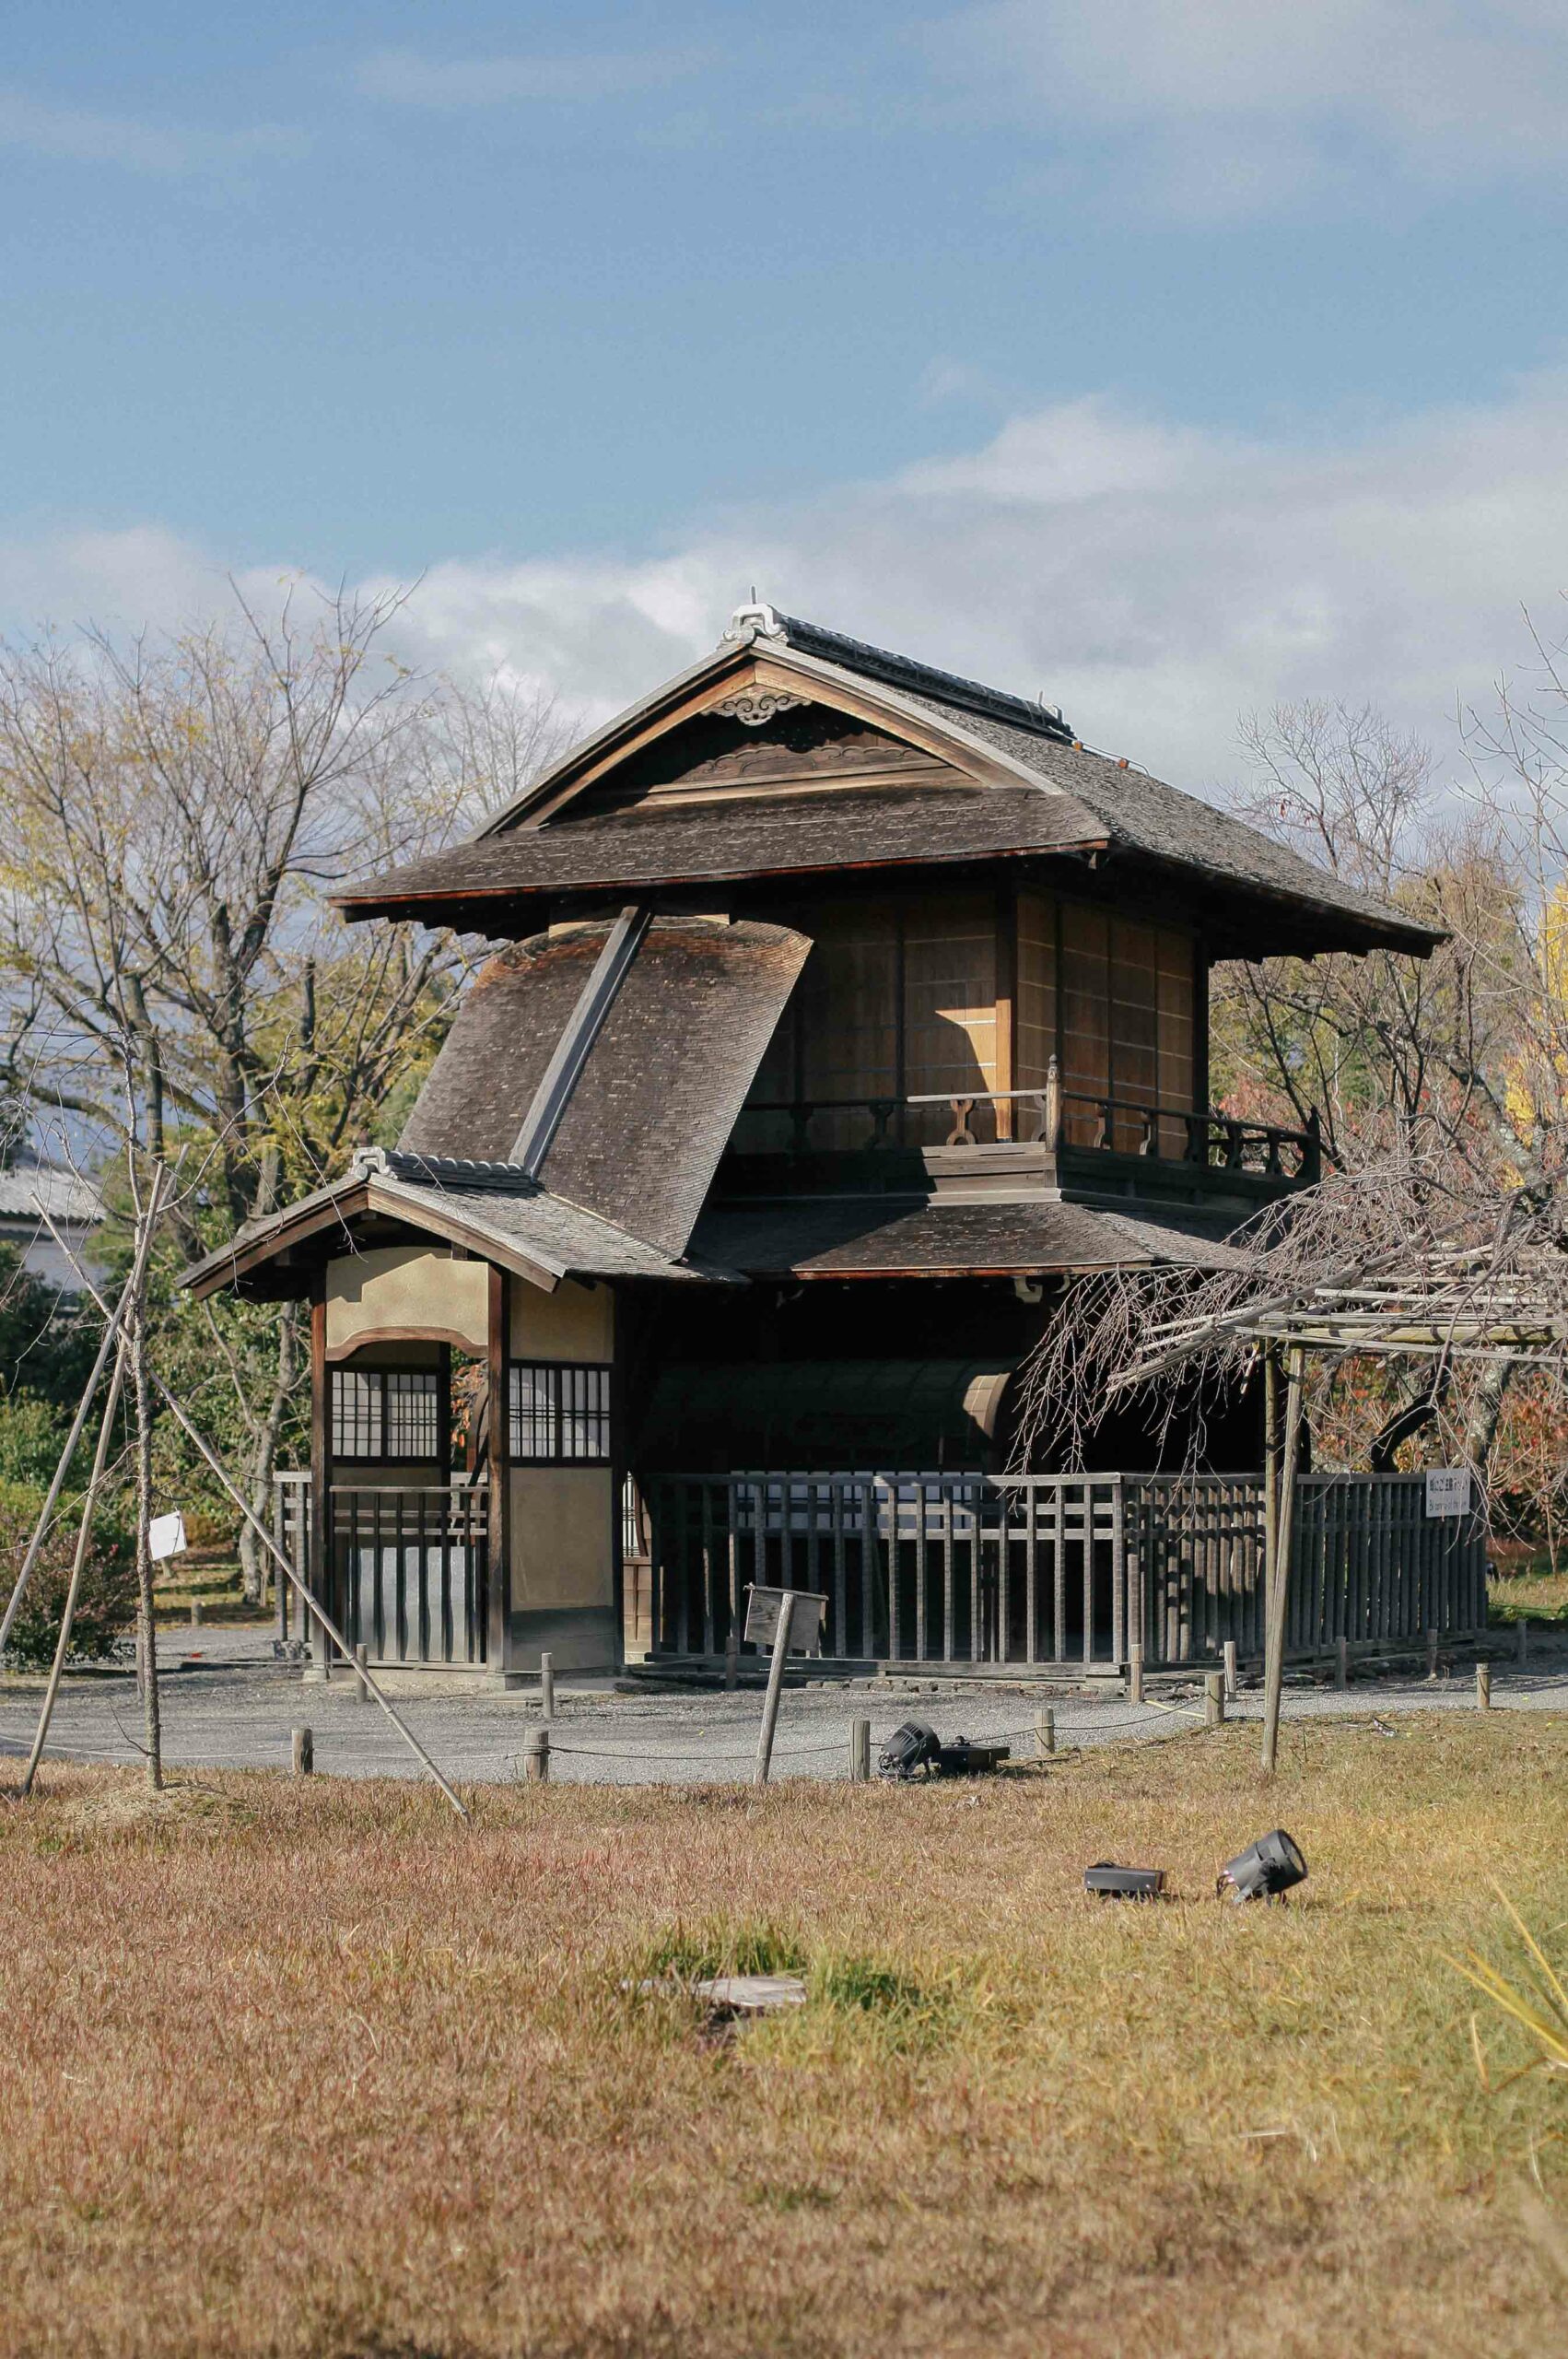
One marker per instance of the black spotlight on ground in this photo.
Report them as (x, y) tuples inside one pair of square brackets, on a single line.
[(915, 1746), (1265, 1870)]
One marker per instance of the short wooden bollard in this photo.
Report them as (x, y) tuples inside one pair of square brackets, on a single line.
[(303, 1753), (859, 1753), (195, 1614), (1523, 1641), (361, 1685), (1342, 1663), (1431, 1654), (1232, 1672), (1135, 1672), (1214, 1700), (1045, 1734), (536, 1756), (1483, 1686), (547, 1686)]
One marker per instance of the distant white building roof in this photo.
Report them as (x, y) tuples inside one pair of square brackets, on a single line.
[(65, 1194)]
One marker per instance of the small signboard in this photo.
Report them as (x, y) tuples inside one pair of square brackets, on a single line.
[(1447, 1490), (166, 1537), (763, 1608)]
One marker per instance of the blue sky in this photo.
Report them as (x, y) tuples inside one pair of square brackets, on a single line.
[(1169, 356)]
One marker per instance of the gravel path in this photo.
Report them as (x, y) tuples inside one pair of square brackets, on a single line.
[(228, 1705)]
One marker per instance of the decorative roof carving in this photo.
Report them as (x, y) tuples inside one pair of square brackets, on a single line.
[(752, 707)]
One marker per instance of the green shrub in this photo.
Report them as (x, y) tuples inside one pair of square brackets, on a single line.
[(106, 1603), (31, 1435)]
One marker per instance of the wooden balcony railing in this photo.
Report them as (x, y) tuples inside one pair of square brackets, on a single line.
[(1090, 1122)]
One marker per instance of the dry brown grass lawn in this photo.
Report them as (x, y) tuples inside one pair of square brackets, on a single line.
[(313, 2069)]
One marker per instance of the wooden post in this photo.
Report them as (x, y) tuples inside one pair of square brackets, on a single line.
[(320, 1557), (859, 1753), (536, 1756), (1523, 1640), (547, 1687), (1045, 1734), (1053, 1103), (302, 1753), (498, 1634), (775, 1682), (1135, 1671), (1431, 1654), (1004, 1064), (361, 1685), (1214, 1700), (1341, 1662), (1232, 1672), (1483, 1686), (1282, 1536), (195, 1614)]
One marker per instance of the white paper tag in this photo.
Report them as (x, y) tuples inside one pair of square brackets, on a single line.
[(166, 1537)]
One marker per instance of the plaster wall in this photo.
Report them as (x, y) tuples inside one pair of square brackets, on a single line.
[(409, 1290)]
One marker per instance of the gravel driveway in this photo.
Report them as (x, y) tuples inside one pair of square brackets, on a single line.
[(227, 1704)]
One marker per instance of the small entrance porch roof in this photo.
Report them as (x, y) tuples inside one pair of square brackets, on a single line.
[(494, 1211)]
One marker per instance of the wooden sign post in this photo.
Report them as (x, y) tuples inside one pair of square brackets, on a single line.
[(783, 1615)]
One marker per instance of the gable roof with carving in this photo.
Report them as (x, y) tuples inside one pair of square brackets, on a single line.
[(793, 752)]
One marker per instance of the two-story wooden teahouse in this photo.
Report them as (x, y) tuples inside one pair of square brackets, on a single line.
[(841, 1007)]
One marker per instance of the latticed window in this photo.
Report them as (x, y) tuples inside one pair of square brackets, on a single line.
[(386, 1413), (560, 1414)]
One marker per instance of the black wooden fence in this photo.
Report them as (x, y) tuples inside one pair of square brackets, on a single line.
[(408, 1568), (1052, 1568)]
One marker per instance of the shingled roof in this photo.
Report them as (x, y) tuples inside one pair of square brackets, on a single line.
[(1008, 781)]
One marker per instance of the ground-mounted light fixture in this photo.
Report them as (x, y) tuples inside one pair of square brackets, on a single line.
[(1266, 1870), (914, 1748)]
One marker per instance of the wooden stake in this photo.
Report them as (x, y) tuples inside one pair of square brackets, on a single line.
[(1135, 1672), (547, 1686), (302, 1753), (1045, 1732), (775, 1682), (1232, 1672), (1523, 1640), (361, 1685), (1483, 1686), (1214, 1700), (859, 1753), (1281, 1537), (1342, 1662), (536, 1756)]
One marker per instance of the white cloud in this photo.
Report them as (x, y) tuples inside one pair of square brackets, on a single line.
[(76, 136), (405, 78), (1154, 580), (1227, 106)]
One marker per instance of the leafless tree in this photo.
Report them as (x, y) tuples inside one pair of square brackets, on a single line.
[(180, 807)]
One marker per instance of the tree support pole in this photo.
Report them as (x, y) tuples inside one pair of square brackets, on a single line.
[(73, 1441), (215, 1464), (84, 1534)]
